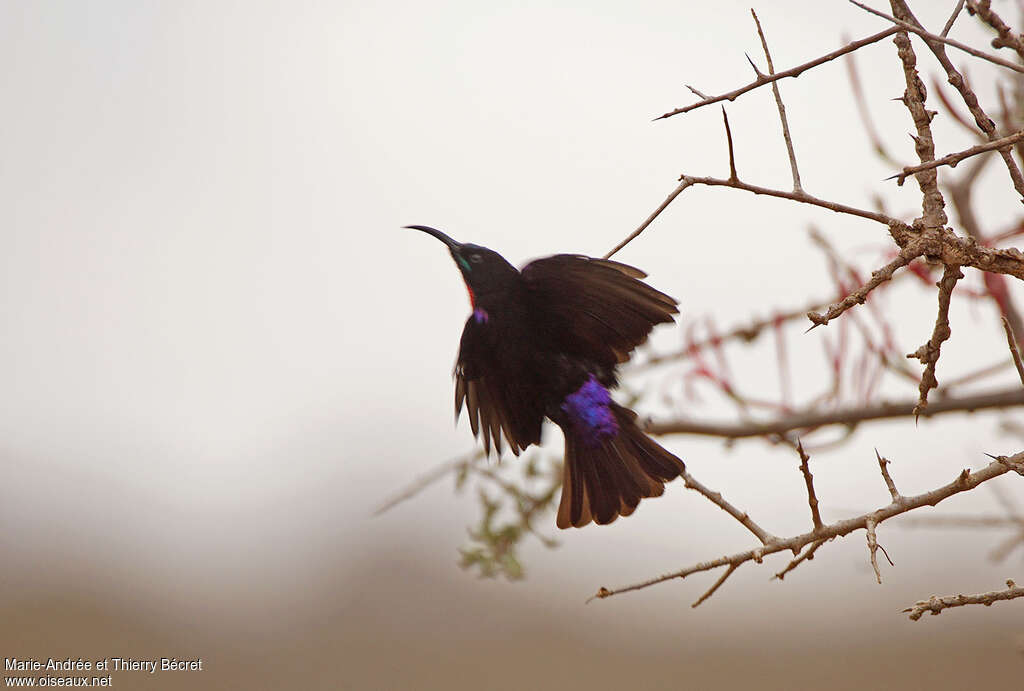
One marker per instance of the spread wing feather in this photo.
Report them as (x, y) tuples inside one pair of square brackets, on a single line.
[(594, 308), (495, 382)]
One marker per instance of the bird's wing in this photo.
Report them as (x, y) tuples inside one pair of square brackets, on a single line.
[(594, 308), (495, 380)]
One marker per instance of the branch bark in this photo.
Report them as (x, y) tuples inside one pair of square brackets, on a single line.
[(842, 416), (935, 605), (964, 482)]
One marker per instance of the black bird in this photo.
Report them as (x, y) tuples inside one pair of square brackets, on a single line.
[(545, 342)]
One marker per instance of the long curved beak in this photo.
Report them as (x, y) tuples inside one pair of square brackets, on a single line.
[(452, 244)]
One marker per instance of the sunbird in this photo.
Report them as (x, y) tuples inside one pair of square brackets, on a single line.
[(546, 341)]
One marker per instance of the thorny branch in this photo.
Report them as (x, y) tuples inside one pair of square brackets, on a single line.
[(1007, 38), (812, 499), (935, 605), (717, 499), (806, 555), (860, 296), (928, 354), (984, 122), (890, 485), (913, 98), (916, 28), (952, 160), (952, 18), (814, 419), (869, 528), (792, 72), (781, 106), (965, 481)]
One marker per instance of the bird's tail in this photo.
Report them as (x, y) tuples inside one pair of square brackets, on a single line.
[(604, 478)]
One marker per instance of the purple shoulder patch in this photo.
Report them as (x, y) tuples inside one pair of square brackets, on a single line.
[(480, 315), (589, 408)]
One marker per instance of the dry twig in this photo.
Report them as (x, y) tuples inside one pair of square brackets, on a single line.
[(890, 485), (1014, 350), (965, 481), (952, 160), (813, 419), (929, 353), (869, 528), (952, 18), (935, 605), (717, 499), (984, 122), (806, 555), (792, 72), (650, 219), (1007, 38), (716, 586), (930, 37), (781, 106), (812, 499), (859, 296), (914, 98)]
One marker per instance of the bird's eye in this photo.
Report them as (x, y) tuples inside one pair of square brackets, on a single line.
[(475, 258)]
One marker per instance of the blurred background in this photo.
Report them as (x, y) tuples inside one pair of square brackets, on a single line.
[(220, 353)]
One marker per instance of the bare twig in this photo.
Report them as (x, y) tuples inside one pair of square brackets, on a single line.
[(1014, 350), (929, 353), (802, 197), (1007, 38), (650, 219), (843, 416), (718, 583), (952, 18), (695, 92), (782, 108), (935, 605), (717, 499), (948, 248), (952, 160), (958, 82), (1010, 462), (859, 296), (869, 528), (928, 36), (812, 499), (807, 555), (792, 72), (882, 463), (965, 481), (914, 98)]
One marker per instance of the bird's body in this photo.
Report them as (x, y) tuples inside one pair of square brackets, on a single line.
[(546, 342)]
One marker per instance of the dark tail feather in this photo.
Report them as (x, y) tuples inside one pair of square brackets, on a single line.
[(601, 483)]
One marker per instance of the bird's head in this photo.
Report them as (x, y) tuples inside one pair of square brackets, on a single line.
[(485, 272)]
